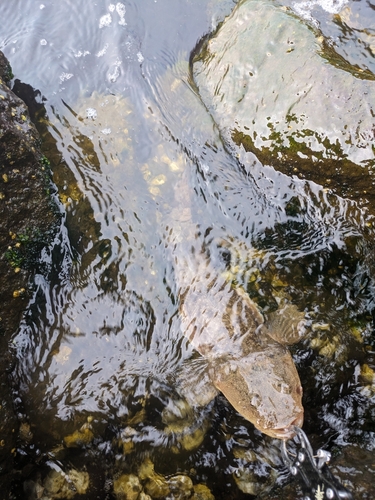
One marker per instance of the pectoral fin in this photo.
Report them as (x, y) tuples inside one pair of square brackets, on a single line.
[(194, 384)]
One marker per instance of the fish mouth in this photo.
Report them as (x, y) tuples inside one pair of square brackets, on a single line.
[(288, 432), (284, 433)]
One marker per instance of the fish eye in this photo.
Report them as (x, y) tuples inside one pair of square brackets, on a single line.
[(255, 400)]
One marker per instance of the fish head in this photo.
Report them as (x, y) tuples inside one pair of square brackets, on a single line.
[(264, 387)]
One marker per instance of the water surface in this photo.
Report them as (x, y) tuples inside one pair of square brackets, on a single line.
[(125, 129)]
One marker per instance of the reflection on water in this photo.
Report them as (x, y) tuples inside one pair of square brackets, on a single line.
[(141, 171), (348, 29)]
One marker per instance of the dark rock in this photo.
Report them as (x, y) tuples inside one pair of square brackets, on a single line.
[(5, 69), (28, 221)]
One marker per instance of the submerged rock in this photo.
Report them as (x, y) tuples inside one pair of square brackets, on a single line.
[(127, 487), (150, 484), (182, 423), (181, 487), (80, 437), (60, 485), (156, 485), (278, 89), (202, 492)]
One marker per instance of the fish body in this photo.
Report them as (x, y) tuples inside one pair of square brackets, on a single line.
[(248, 362)]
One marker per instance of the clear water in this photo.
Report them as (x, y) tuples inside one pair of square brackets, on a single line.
[(124, 130)]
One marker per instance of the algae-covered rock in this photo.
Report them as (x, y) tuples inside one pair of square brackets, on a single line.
[(144, 496), (60, 485), (125, 440), (178, 487), (156, 485), (127, 487), (149, 484), (251, 483), (249, 477), (181, 487), (276, 87), (181, 422), (202, 492), (80, 437)]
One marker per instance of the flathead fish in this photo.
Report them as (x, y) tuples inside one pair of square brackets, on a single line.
[(247, 359), (248, 362)]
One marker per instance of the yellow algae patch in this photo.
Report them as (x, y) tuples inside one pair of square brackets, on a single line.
[(159, 180), (174, 165)]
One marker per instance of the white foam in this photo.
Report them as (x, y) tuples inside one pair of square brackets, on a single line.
[(111, 7), (105, 21), (112, 77), (91, 113), (120, 9), (43, 41), (103, 51), (106, 131), (305, 7), (140, 57), (332, 6), (81, 54), (65, 76)]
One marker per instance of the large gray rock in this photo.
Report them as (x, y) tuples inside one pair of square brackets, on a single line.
[(275, 86)]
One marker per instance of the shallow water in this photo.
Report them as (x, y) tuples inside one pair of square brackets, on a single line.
[(131, 146)]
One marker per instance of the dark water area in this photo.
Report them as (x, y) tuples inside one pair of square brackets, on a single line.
[(135, 154)]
